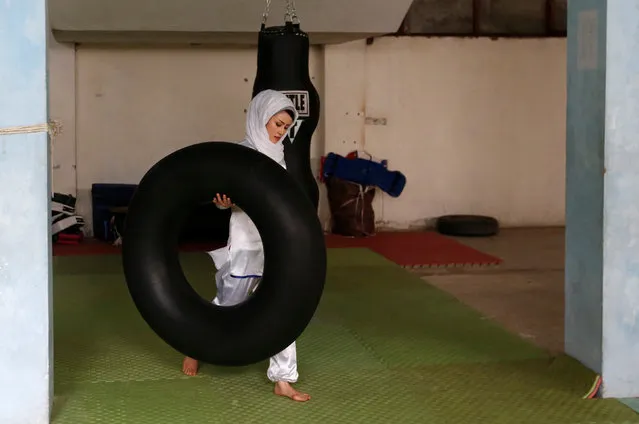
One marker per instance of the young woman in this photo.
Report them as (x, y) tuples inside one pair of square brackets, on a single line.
[(270, 116)]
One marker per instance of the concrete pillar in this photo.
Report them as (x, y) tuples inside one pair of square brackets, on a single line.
[(602, 191), (25, 243)]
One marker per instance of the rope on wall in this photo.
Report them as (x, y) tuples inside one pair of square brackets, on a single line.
[(53, 128)]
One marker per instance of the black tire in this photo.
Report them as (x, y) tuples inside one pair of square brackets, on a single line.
[(294, 248), (467, 225)]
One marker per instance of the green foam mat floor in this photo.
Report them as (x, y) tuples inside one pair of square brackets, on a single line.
[(383, 347)]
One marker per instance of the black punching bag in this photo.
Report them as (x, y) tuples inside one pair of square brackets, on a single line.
[(282, 65)]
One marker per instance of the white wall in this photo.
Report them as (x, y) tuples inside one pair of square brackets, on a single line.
[(135, 106), (62, 109), (477, 125)]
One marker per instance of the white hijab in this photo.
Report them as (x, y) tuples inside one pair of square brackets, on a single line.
[(261, 109)]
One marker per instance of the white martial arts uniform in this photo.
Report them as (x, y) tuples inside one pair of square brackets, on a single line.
[(241, 262)]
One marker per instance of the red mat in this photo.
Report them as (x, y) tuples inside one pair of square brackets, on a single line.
[(408, 249), (96, 247), (417, 249)]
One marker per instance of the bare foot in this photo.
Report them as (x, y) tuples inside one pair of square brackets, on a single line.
[(190, 366), (283, 388)]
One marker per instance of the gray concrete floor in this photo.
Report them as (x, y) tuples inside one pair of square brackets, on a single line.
[(525, 294)]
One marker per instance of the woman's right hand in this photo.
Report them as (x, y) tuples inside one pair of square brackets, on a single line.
[(223, 201)]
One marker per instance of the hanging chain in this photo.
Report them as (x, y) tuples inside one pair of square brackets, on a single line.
[(290, 13), (287, 11), (293, 12), (267, 9)]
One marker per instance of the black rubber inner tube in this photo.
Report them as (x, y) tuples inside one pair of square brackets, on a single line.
[(294, 251)]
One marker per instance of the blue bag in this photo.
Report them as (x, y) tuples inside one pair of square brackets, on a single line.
[(364, 172)]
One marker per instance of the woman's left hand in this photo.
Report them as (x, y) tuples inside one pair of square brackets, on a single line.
[(223, 201)]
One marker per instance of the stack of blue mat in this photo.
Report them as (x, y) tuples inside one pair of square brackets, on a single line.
[(104, 198), (205, 223)]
